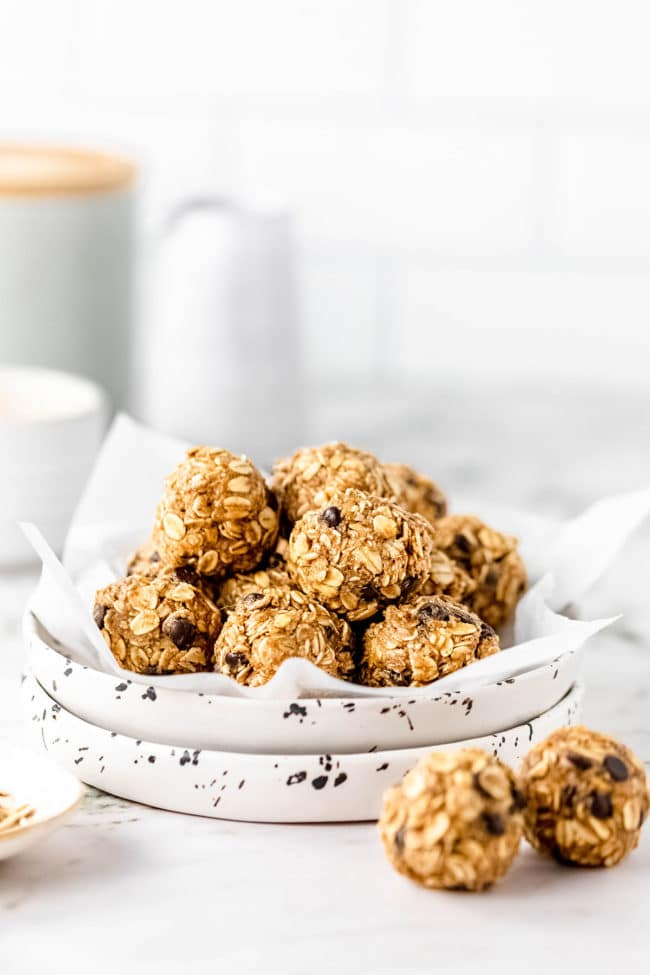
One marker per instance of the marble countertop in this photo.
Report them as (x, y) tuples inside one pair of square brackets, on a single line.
[(124, 887)]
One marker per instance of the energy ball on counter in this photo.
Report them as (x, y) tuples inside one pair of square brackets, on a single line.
[(216, 514), (586, 798), (157, 625), (234, 588), (454, 822), (447, 578), (358, 552), (421, 640), (492, 561), (415, 492), (267, 628), (314, 474)]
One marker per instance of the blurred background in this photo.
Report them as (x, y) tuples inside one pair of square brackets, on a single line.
[(462, 222)]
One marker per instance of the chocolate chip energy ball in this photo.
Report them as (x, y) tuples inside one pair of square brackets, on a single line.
[(421, 640), (492, 561), (314, 474), (587, 798), (454, 822), (145, 561), (266, 628), (234, 588), (359, 552), (157, 625), (415, 492), (216, 514)]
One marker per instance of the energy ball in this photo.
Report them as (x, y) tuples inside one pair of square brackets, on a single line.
[(491, 560), (587, 798), (421, 640), (359, 552), (234, 588), (415, 492), (157, 625), (314, 474), (454, 822), (447, 578), (267, 628), (145, 561), (216, 514)]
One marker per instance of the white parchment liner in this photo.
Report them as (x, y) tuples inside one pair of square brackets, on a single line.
[(115, 515)]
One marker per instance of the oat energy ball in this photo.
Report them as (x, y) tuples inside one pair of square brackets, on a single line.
[(237, 586), (266, 628), (415, 492), (216, 514), (314, 474), (145, 561), (421, 640), (157, 625), (358, 552), (587, 798), (492, 561), (447, 578), (454, 822)]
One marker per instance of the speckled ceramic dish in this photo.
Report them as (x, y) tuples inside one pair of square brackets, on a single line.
[(32, 778), (307, 726), (258, 788)]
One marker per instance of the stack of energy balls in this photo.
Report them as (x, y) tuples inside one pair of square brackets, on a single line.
[(352, 564)]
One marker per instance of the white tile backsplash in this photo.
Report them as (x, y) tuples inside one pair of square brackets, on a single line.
[(469, 179)]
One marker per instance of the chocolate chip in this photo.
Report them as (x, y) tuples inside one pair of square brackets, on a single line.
[(580, 761), (369, 594), (616, 768), (433, 611), (180, 631), (99, 612), (252, 598), (399, 839), (272, 501), (237, 661), (407, 585), (275, 561), (601, 805), (494, 823), (462, 542), (154, 557), (331, 516)]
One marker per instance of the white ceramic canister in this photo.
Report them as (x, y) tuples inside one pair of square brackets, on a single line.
[(66, 262)]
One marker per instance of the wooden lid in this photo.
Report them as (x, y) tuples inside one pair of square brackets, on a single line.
[(33, 170)]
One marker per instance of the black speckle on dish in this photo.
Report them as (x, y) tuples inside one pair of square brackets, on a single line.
[(185, 758), (530, 730), (121, 687), (467, 703), (139, 741), (296, 709), (320, 781), (373, 749), (340, 779), (555, 674), (216, 802), (67, 671), (113, 734), (349, 705), (509, 680), (151, 759), (382, 768), (54, 688), (296, 778), (56, 708), (149, 694), (82, 748), (241, 784), (195, 756), (384, 710), (79, 760)]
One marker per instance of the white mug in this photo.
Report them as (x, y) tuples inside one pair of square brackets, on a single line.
[(66, 262)]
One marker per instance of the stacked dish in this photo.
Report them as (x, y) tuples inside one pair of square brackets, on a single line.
[(306, 760)]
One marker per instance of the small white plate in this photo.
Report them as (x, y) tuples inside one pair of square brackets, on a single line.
[(325, 787), (306, 726), (31, 778)]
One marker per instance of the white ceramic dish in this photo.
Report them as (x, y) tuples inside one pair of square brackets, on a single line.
[(306, 726), (51, 425), (257, 788), (30, 777)]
